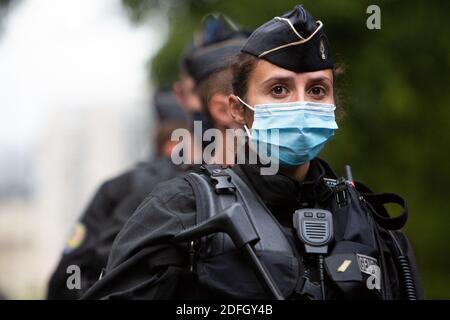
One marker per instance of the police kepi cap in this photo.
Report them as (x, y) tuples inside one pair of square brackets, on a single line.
[(293, 41), (216, 45)]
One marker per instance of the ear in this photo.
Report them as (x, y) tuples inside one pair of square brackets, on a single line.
[(218, 109), (236, 109), (167, 148)]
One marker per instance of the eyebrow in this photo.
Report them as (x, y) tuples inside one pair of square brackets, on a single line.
[(320, 78), (278, 79), (290, 78)]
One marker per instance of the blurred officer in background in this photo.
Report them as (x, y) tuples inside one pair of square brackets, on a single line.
[(215, 46), (210, 66), (167, 106), (114, 202)]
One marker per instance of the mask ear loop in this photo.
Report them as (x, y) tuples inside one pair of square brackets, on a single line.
[(251, 108), (247, 131), (245, 104)]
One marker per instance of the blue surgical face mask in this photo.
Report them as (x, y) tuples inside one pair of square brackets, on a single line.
[(294, 132)]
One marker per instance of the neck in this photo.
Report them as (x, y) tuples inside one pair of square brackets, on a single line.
[(297, 173)]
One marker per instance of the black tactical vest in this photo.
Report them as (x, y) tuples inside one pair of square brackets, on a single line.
[(364, 242)]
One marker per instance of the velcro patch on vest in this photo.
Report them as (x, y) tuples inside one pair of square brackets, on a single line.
[(365, 263), (343, 267), (330, 182)]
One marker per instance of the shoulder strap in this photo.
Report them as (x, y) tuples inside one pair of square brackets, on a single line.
[(272, 238), (207, 187), (217, 188), (376, 202)]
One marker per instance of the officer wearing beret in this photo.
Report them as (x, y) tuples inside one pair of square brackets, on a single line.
[(301, 233)]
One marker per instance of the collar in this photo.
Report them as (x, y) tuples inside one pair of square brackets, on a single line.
[(283, 195)]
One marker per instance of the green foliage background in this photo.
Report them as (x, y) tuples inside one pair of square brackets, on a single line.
[(395, 92)]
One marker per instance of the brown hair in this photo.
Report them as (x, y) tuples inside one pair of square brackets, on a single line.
[(245, 63), (218, 82)]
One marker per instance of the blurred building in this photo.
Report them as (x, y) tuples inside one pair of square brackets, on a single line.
[(79, 149)]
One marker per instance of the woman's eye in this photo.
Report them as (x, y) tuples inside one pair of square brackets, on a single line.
[(317, 91), (279, 90)]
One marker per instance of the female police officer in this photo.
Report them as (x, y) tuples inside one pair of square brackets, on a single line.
[(283, 81)]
